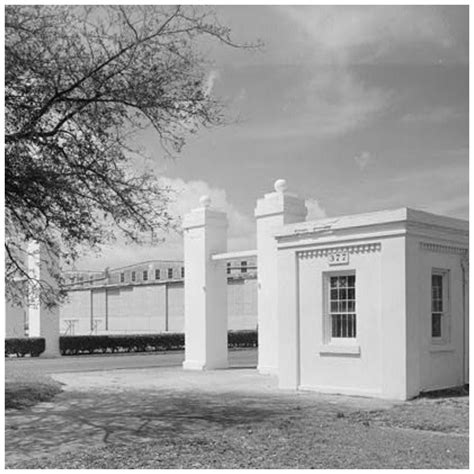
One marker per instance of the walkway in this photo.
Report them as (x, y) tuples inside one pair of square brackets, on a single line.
[(139, 360)]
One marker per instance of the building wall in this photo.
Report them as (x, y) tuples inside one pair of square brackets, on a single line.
[(434, 364), (75, 313), (336, 368), (15, 319), (393, 255), (149, 308), (176, 307), (242, 303)]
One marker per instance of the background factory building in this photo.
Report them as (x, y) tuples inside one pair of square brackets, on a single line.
[(148, 297)]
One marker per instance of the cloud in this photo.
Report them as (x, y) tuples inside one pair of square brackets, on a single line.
[(363, 159), (211, 79), (364, 33), (241, 230), (335, 100), (420, 189), (328, 105), (315, 211), (433, 116)]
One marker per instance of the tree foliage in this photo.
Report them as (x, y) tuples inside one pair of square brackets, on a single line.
[(78, 81)]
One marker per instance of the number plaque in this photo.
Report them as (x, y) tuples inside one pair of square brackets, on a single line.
[(338, 258)]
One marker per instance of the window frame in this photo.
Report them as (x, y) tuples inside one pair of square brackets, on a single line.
[(327, 313), (445, 313)]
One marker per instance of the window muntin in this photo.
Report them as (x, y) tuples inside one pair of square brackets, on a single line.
[(342, 306), (439, 304)]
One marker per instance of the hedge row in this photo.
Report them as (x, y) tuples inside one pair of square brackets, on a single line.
[(21, 346), (75, 345)]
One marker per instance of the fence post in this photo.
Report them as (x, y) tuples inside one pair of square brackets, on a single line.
[(205, 288)]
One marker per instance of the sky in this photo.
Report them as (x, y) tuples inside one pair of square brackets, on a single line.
[(359, 108)]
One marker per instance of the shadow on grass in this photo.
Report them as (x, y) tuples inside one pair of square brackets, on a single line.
[(21, 394), (78, 419), (462, 391)]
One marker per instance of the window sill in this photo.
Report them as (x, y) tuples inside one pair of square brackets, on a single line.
[(441, 348), (339, 349)]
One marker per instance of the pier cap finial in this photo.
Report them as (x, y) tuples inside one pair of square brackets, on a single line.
[(280, 185), (205, 201)]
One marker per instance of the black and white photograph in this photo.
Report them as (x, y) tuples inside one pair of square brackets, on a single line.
[(236, 236)]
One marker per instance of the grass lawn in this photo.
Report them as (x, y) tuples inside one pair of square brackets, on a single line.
[(195, 425), (24, 389)]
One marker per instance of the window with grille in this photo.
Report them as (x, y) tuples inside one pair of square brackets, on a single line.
[(170, 273), (439, 303), (157, 274), (145, 275), (342, 306)]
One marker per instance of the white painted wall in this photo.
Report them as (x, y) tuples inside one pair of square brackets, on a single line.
[(435, 365), (272, 212), (321, 368), (394, 355), (205, 298), (43, 321)]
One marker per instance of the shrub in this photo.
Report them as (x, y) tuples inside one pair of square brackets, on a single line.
[(244, 338), (21, 346), (74, 345)]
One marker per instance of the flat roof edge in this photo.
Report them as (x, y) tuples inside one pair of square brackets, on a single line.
[(375, 219)]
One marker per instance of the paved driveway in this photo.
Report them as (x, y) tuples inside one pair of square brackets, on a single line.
[(87, 363)]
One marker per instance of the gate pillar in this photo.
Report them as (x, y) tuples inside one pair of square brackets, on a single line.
[(272, 212), (43, 320), (205, 288)]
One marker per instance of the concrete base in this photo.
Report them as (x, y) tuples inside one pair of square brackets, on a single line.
[(200, 365), (50, 355), (266, 370), (346, 391)]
